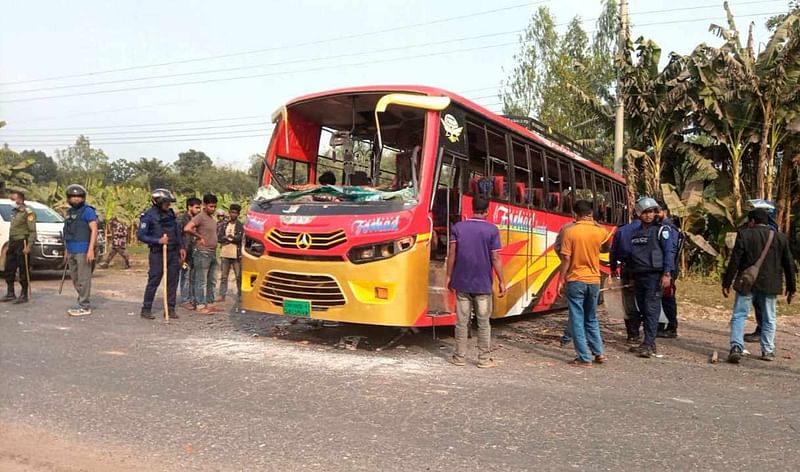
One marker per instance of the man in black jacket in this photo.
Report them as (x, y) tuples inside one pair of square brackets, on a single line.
[(230, 235), (750, 242)]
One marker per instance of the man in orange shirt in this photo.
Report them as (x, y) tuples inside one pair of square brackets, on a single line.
[(580, 270)]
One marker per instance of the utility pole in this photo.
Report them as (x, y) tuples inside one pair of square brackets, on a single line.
[(619, 123)]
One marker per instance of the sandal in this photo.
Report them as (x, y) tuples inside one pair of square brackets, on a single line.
[(601, 359), (579, 363)]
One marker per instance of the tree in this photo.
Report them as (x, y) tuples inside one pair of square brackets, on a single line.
[(153, 173), (81, 161), (13, 170), (43, 167), (121, 171), (256, 161), (775, 21), (656, 106), (191, 162), (566, 81)]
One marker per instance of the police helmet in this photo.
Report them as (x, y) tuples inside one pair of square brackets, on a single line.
[(760, 204), (646, 203), (76, 190), (160, 196)]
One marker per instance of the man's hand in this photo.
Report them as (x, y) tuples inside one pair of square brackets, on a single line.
[(26, 249), (666, 281), (66, 254), (183, 255), (560, 290), (447, 283), (201, 241), (501, 284), (789, 297), (90, 255), (163, 240), (616, 273), (726, 291)]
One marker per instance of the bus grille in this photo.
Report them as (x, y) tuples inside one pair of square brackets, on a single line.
[(321, 290), (318, 241)]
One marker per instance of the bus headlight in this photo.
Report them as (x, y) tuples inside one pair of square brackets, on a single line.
[(380, 251), (253, 247)]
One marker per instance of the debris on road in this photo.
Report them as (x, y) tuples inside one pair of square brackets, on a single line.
[(714, 357), (349, 342)]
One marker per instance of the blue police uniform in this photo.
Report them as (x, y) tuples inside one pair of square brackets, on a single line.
[(652, 254), (153, 224), (669, 303), (620, 252)]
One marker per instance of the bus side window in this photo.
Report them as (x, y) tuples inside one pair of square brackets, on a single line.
[(567, 187), (554, 184), (584, 190), (497, 157), (477, 182), (604, 213), (520, 191), (536, 190)]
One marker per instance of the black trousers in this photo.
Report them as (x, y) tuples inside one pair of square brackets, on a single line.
[(15, 262), (648, 298), (155, 273)]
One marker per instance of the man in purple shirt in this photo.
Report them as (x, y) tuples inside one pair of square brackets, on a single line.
[(474, 254)]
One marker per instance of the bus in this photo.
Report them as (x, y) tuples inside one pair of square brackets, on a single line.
[(360, 187)]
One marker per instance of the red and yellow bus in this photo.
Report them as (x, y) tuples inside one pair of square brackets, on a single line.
[(361, 185)]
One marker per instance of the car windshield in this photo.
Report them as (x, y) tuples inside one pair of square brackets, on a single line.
[(43, 215)]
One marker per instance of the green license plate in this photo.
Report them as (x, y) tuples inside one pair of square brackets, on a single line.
[(297, 307)]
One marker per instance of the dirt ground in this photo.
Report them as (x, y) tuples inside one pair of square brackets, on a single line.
[(80, 400)]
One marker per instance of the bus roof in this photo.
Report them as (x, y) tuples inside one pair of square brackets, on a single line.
[(471, 106)]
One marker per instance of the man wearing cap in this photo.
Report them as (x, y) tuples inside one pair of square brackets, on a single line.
[(80, 237), (651, 262), (158, 227)]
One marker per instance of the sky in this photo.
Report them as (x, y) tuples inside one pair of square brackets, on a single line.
[(153, 78)]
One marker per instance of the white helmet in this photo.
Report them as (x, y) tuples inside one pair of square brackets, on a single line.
[(646, 203)]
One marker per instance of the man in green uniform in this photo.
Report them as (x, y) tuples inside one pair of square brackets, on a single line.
[(21, 236)]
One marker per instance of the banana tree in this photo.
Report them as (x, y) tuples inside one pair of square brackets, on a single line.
[(656, 104)]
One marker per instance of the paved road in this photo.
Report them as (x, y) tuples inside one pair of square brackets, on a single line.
[(205, 394)]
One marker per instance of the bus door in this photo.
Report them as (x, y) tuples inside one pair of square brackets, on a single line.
[(445, 212)]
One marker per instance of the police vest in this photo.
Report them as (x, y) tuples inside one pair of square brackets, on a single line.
[(164, 223), (646, 254), (75, 227)]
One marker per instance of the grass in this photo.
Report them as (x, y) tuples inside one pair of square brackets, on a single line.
[(707, 292)]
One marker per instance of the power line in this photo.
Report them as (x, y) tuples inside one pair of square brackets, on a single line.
[(254, 76), (319, 58), (276, 48), (258, 66), (101, 143), (113, 139), (87, 130)]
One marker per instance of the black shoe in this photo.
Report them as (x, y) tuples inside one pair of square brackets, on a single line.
[(22, 299), (669, 333), (735, 355), (637, 349), (768, 356), (147, 314), (647, 352), (10, 297), (753, 337), (634, 339), (173, 315)]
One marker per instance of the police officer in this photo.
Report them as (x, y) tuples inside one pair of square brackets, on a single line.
[(619, 262), (21, 235), (668, 301), (158, 226), (651, 262)]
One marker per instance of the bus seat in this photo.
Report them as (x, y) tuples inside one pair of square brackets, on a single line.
[(521, 195), (537, 196), (553, 200), (499, 186), (481, 186)]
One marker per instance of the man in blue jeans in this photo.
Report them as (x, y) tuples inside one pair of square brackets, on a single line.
[(474, 255), (204, 258), (193, 208), (580, 271), (777, 264)]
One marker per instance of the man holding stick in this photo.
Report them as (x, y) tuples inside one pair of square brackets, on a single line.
[(80, 237), (159, 229), (21, 235)]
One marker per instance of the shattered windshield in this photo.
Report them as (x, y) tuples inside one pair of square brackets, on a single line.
[(333, 194)]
